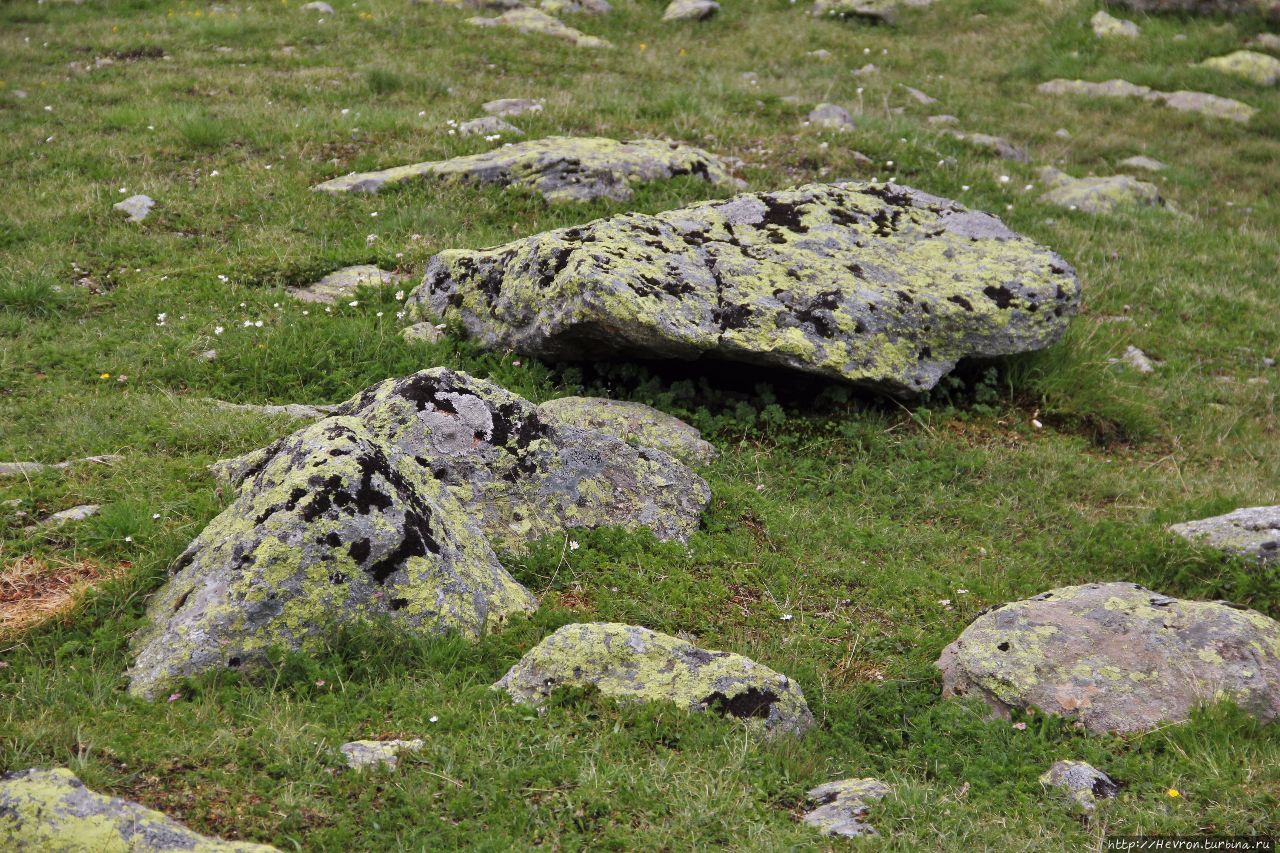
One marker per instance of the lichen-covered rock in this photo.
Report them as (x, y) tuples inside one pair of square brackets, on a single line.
[(631, 663), (52, 810), (332, 528), (27, 468), (635, 423), (135, 207), (1097, 195), (997, 144), (561, 168), (831, 117), (488, 126), (881, 11), (873, 283), (317, 6), (525, 20), (1247, 64), (1265, 41), (421, 333), (1116, 657), (509, 107), (363, 754), (1106, 26), (520, 475), (66, 516), (1253, 532), (843, 806), (576, 7), (1212, 106), (297, 411), (1197, 7), (690, 10), (1084, 783), (340, 285)]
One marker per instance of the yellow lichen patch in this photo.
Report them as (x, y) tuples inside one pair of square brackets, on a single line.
[(35, 590)]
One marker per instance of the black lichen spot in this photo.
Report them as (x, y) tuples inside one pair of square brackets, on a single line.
[(399, 603), (817, 313), (783, 215), (1001, 295), (337, 577), (750, 703), (732, 316), (234, 662), (360, 550), (1105, 788), (961, 301), (1004, 647)]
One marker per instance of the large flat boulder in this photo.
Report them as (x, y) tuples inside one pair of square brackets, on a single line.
[(561, 168), (519, 474), (635, 664), (52, 810), (1253, 532), (872, 283), (335, 527), (1116, 657)]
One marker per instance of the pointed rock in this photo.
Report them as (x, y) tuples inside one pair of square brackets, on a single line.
[(635, 664)]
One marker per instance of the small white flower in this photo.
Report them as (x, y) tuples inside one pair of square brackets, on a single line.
[(328, 310), (223, 279), (305, 313), (345, 112), (128, 538), (451, 123), (964, 187), (48, 108), (160, 318), (155, 516), (1027, 188), (371, 239), (217, 330), (1004, 179), (573, 544), (515, 364), (124, 190), (257, 323), (434, 719), (786, 617), (888, 162), (945, 602), (151, 127), (275, 304), (866, 50), (421, 113), (399, 295), (214, 173), (452, 131), (1008, 207), (353, 303), (248, 323), (268, 166), (962, 592), (379, 314), (1035, 422), (242, 305), (374, 214), (400, 315)]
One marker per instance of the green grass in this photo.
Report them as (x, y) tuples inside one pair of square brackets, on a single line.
[(854, 514)]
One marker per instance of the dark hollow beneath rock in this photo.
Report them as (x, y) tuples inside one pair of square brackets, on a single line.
[(52, 810), (335, 527), (520, 475), (636, 664), (873, 283), (1116, 657), (560, 168)]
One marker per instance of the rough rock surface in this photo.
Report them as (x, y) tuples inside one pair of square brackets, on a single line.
[(489, 126), (1107, 26), (690, 10), (882, 11), (1247, 64), (334, 528), (1084, 783), (1116, 657), (997, 144), (1097, 195), (52, 810), (519, 475), (635, 423), (27, 468), (136, 207), (920, 97), (561, 168), (843, 806), (1266, 41), (1252, 532), (424, 333), (340, 285), (66, 516), (363, 754), (509, 107), (1197, 7), (1197, 102), (317, 6), (873, 283), (1138, 360), (831, 117), (576, 7), (525, 20), (632, 663), (298, 411), (1143, 162)]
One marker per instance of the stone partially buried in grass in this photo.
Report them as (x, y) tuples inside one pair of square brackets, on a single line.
[(690, 10), (872, 283), (842, 807), (880, 11), (1107, 26), (560, 168), (364, 754), (526, 20), (1084, 783), (341, 285), (1212, 106), (635, 423), (1097, 195), (52, 810), (1247, 64), (333, 529), (1116, 657), (635, 664), (1253, 532)]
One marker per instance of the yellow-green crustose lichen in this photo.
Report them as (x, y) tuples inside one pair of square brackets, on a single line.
[(635, 664), (634, 423), (335, 527), (1252, 532), (1117, 657), (51, 811), (1097, 195), (874, 283), (560, 168), (1248, 64)]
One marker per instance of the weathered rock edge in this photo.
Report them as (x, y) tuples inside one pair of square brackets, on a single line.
[(877, 284), (636, 664), (1116, 657)]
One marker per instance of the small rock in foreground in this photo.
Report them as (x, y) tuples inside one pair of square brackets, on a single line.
[(831, 117), (1252, 532), (363, 754), (52, 810), (510, 107), (488, 126), (1106, 26), (136, 207), (843, 806), (1084, 783), (635, 664), (690, 10), (341, 285)]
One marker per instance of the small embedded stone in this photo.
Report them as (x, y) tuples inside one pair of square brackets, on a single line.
[(341, 285), (488, 126), (135, 207), (510, 107), (1084, 783), (364, 754), (1248, 65), (1107, 26), (831, 117), (1252, 532), (690, 10), (842, 807), (421, 333), (1097, 195)]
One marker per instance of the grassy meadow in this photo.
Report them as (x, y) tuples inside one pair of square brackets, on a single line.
[(850, 536)]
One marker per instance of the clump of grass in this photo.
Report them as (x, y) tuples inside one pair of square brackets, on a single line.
[(383, 82), (204, 133), (32, 295)]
